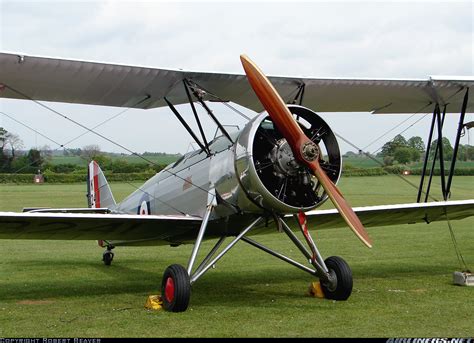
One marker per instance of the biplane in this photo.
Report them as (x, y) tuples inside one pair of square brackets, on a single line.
[(270, 175)]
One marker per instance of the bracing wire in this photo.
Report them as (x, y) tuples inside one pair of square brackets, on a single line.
[(382, 165), (72, 140), (225, 102), (63, 146), (461, 261), (104, 137), (406, 129), (396, 126)]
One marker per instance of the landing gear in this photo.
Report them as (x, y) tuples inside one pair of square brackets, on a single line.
[(334, 273), (175, 288), (340, 285), (108, 255), (176, 283)]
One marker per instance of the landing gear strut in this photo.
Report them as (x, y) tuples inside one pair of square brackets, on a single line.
[(177, 280), (108, 255), (334, 273)]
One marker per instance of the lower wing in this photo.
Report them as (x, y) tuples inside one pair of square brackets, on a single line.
[(169, 229), (385, 215), (77, 226)]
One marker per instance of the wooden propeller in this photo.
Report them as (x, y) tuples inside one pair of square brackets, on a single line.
[(303, 148)]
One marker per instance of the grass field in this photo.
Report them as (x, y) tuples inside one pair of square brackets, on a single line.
[(365, 162), (402, 287)]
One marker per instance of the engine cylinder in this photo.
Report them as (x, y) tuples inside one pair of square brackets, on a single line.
[(270, 175)]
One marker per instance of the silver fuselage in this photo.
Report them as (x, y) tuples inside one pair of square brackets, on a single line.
[(184, 187)]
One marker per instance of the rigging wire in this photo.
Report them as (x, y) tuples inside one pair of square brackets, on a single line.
[(459, 255), (382, 165), (74, 139), (462, 262), (85, 159), (396, 126), (28, 127), (108, 120), (104, 137), (420, 110), (403, 131), (225, 102)]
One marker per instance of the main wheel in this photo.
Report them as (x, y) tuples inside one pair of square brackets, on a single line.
[(108, 257), (341, 288), (175, 288)]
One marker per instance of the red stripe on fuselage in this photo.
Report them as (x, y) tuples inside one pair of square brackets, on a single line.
[(96, 185)]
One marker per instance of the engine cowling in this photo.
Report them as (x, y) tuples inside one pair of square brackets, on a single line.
[(269, 174)]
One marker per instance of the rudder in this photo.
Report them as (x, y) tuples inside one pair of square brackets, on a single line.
[(99, 194)]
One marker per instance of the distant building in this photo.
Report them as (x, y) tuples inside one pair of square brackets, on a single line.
[(38, 178)]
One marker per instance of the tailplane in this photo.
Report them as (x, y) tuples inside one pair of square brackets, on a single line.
[(99, 194)]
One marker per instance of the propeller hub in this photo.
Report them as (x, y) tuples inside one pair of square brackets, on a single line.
[(310, 151)]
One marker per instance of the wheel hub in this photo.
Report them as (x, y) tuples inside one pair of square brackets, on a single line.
[(169, 289), (331, 282)]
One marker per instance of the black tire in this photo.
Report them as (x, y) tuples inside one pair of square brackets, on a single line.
[(108, 257), (175, 288), (343, 286)]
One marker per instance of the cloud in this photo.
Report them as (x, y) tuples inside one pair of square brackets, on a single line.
[(338, 38)]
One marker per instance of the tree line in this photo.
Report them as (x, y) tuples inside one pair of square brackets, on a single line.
[(402, 151), (34, 160), (14, 160)]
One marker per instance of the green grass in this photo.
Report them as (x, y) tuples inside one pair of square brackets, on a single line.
[(402, 287), (365, 162), (361, 162)]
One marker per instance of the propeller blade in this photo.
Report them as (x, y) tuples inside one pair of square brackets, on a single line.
[(275, 106), (303, 148), (341, 204)]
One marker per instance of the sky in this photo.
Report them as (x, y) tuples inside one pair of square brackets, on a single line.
[(402, 39)]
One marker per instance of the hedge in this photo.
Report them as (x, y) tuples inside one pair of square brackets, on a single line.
[(16, 178), (73, 177), (50, 177), (401, 169)]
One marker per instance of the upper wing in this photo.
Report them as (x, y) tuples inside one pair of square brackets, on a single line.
[(385, 215), (41, 225), (61, 80)]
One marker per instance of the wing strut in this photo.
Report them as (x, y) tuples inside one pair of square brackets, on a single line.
[(456, 144), (186, 126), (299, 95), (198, 94), (438, 153), (198, 121)]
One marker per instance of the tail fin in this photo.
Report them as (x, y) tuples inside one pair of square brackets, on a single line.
[(99, 193)]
